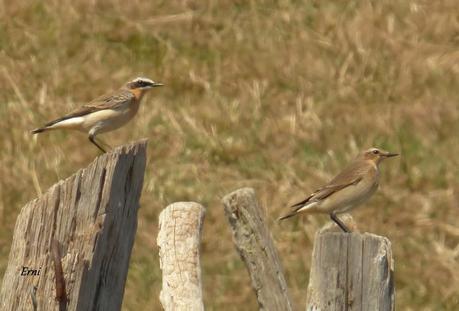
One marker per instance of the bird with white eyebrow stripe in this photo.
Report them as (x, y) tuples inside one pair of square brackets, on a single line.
[(105, 113)]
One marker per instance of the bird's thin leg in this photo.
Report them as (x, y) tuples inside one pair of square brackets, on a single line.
[(339, 223), (91, 139)]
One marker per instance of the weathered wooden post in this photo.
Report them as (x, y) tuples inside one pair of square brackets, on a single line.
[(351, 272), (77, 238), (180, 226), (256, 248)]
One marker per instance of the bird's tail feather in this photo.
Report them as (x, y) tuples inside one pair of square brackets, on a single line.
[(39, 130), (291, 214), (301, 208)]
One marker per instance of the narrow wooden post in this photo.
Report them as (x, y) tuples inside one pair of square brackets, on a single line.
[(73, 243), (180, 226), (256, 248), (351, 272)]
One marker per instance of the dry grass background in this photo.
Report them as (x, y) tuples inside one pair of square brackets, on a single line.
[(276, 95)]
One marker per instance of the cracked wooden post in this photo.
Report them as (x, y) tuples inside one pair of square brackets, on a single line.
[(256, 248), (351, 272), (86, 224), (180, 226)]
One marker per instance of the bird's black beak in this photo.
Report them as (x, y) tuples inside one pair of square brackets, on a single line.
[(390, 155)]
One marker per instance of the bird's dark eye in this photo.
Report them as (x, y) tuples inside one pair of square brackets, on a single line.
[(375, 151)]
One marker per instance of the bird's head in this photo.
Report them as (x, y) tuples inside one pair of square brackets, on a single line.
[(142, 84), (376, 155)]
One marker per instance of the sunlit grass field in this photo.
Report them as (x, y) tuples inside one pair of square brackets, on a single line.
[(275, 95)]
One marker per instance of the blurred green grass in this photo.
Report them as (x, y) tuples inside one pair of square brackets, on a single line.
[(273, 95)]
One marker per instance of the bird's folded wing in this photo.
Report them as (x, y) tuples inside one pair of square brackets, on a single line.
[(328, 190), (325, 192), (111, 101)]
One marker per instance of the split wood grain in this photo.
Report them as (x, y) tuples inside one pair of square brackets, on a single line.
[(255, 246), (351, 272), (93, 216)]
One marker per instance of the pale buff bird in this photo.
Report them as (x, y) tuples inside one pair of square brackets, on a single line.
[(106, 113), (350, 188)]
